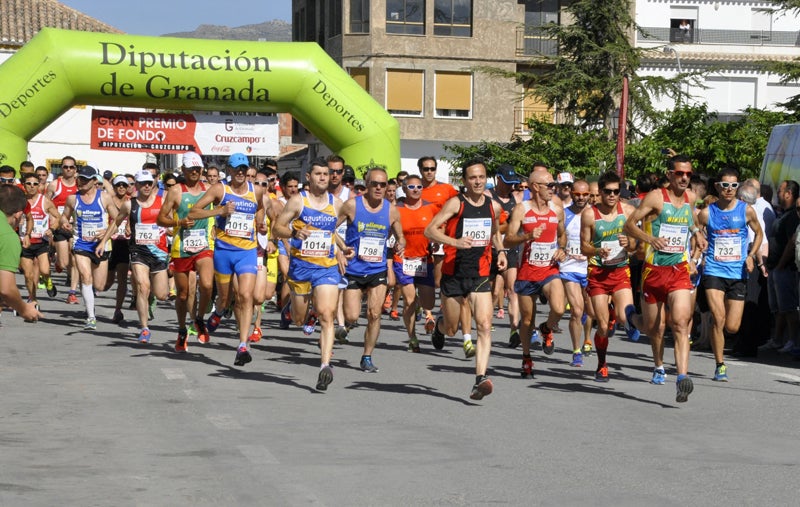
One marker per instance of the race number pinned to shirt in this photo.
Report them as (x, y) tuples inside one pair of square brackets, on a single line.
[(541, 254), (40, 225), (574, 250), (479, 229), (728, 249), (616, 253), (417, 266), (89, 231), (371, 249), (317, 244), (675, 236), (195, 240), (240, 225), (147, 234)]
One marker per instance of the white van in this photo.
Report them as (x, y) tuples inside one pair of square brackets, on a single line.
[(782, 159)]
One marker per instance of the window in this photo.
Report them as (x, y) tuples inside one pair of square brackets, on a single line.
[(452, 17), (334, 18), (361, 76), (359, 16), (405, 16), (682, 24), (404, 92), (453, 97)]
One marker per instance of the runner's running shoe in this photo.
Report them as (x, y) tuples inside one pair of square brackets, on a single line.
[(684, 388), (180, 343), (90, 325), (587, 348), (630, 311), (51, 288), (202, 331), (72, 298), (324, 378), (437, 337), (577, 360), (413, 345), (601, 375), (721, 373), (213, 322), (548, 346), (151, 309), (341, 335), (367, 365), (144, 336), (394, 315), (387, 303), (256, 336), (469, 349), (501, 313), (429, 324), (242, 356), (191, 330), (536, 340), (286, 316), (118, 317), (481, 388), (311, 323), (513, 339), (612, 321), (527, 368), (659, 377)]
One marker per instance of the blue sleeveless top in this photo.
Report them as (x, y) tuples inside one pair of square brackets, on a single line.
[(727, 242), (91, 218), (367, 235)]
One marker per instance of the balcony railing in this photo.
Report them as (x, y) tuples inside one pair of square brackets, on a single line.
[(715, 36), (523, 114), (532, 41)]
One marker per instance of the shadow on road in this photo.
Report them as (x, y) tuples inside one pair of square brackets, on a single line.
[(406, 389)]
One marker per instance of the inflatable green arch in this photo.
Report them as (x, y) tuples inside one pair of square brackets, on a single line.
[(60, 68)]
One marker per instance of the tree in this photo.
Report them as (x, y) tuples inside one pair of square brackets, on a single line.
[(790, 71), (583, 82)]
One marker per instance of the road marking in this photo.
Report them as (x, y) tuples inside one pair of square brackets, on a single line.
[(224, 421), (258, 455), (173, 373), (788, 376)]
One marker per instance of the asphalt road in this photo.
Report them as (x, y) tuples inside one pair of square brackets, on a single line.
[(94, 418)]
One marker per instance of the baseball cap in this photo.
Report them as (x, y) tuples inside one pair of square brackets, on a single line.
[(88, 172), (192, 159), (237, 160), (120, 179), (565, 178), (507, 173), (107, 175), (360, 183), (144, 177)]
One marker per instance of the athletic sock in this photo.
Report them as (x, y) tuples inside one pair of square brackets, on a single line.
[(467, 338), (88, 298), (601, 343)]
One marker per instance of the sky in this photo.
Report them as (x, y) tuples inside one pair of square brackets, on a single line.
[(157, 17)]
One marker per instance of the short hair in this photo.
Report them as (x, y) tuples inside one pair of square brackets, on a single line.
[(267, 171), (319, 161), (469, 163), (677, 159), (728, 171), (421, 160), (608, 177), (792, 187), (412, 177), (369, 172), (24, 164), (647, 182), (7, 169), (12, 199), (538, 163), (747, 193), (402, 173), (25, 176), (42, 168), (333, 158), (150, 165), (168, 176), (270, 163), (69, 157), (290, 176)]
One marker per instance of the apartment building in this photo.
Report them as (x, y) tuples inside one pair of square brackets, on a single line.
[(725, 39), (419, 59)]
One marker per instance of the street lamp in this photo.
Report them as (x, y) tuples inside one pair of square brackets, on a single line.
[(671, 49)]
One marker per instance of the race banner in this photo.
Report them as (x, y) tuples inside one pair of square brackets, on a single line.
[(205, 134)]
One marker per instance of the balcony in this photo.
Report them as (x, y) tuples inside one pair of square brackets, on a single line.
[(532, 41), (523, 114), (715, 36)]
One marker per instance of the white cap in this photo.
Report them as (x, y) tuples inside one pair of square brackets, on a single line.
[(565, 178), (192, 159), (144, 176), (119, 179)]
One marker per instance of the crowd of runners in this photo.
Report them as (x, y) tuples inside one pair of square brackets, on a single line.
[(318, 256)]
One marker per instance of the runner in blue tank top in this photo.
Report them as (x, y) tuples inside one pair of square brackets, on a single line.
[(727, 261), (370, 218)]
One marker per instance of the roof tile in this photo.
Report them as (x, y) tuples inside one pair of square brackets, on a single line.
[(22, 19)]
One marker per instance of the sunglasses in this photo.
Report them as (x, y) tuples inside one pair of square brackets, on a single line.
[(336, 171), (428, 169), (272, 179), (262, 184), (32, 183), (145, 183), (523, 187), (84, 179), (568, 185), (68, 167), (169, 185), (550, 185), (728, 184), (125, 185), (681, 174), (611, 191), (378, 184), (580, 194), (6, 180), (414, 187)]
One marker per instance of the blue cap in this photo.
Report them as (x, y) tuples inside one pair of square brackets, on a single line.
[(237, 160)]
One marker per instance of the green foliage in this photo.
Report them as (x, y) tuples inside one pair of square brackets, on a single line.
[(690, 130)]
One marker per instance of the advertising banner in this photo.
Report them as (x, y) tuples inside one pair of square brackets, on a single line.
[(206, 134)]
